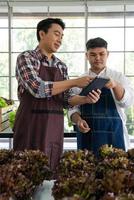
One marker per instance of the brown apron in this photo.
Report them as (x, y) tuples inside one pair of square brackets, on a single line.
[(39, 121)]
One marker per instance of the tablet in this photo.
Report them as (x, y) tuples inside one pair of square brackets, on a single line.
[(97, 83)]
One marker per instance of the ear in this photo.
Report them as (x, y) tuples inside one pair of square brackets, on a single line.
[(41, 33), (86, 54)]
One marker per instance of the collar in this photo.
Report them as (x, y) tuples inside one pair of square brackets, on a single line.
[(42, 56), (102, 73)]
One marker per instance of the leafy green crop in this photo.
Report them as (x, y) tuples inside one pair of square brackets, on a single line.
[(21, 172), (3, 103), (110, 176), (12, 118)]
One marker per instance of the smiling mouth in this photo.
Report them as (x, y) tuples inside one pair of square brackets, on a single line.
[(97, 63), (57, 46)]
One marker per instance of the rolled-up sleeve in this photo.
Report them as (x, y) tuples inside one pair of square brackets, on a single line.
[(27, 77), (73, 109), (128, 97)]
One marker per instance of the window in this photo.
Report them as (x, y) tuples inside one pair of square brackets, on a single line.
[(108, 19)]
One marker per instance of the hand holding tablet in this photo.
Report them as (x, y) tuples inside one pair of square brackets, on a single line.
[(97, 83)]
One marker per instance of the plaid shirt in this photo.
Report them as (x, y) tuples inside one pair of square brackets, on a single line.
[(27, 71)]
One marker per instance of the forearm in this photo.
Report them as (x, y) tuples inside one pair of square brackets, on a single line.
[(117, 88), (118, 91), (61, 86), (92, 97), (77, 100)]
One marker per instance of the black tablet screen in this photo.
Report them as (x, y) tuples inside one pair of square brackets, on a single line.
[(97, 83)]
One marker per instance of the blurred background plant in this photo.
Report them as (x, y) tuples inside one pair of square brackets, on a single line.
[(68, 126), (12, 115)]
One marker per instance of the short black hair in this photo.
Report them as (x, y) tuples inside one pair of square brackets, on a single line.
[(45, 24), (96, 42)]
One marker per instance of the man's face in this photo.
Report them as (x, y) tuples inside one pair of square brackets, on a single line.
[(51, 41), (97, 58)]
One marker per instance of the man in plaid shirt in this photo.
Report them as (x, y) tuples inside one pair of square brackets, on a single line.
[(43, 91)]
